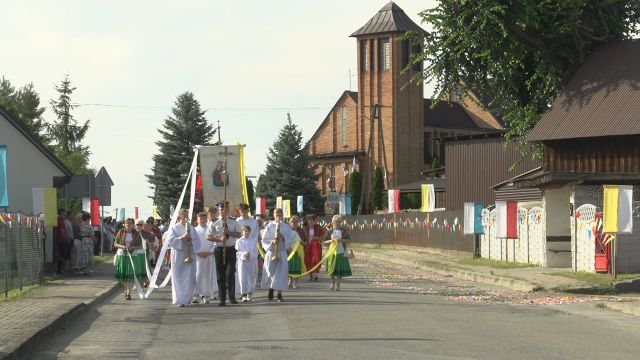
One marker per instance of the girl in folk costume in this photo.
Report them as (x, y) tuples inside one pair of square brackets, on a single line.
[(337, 264), (277, 234), (184, 243), (245, 254), (296, 264), (313, 248), (206, 277), (129, 244)]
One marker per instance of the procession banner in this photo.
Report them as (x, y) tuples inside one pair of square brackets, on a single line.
[(214, 176), (286, 209)]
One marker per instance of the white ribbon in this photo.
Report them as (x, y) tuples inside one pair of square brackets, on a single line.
[(156, 270)]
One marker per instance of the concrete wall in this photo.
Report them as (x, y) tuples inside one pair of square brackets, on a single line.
[(529, 247)]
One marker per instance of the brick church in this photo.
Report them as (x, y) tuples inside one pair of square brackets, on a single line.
[(388, 122)]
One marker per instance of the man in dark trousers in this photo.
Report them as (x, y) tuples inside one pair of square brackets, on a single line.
[(224, 232)]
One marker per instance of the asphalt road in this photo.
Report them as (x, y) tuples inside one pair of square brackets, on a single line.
[(362, 321)]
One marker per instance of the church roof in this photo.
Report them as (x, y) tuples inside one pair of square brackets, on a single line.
[(450, 114), (390, 19)]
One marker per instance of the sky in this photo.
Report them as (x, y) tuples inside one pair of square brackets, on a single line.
[(247, 62)]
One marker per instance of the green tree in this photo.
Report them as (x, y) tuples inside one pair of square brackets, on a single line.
[(24, 105), (66, 133), (377, 190), (288, 173), (517, 55), (355, 189), (251, 195), (181, 131)]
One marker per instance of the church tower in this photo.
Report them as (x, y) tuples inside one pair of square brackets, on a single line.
[(392, 110)]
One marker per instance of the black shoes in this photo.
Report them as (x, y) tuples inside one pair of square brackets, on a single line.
[(222, 303), (280, 299), (233, 301), (270, 296)]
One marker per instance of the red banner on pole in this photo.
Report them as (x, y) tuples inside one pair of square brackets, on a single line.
[(512, 219), (135, 213), (95, 211)]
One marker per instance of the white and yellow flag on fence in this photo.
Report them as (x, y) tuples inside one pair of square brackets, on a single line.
[(215, 176), (618, 209)]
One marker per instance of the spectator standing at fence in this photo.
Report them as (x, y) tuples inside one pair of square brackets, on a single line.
[(78, 254), (88, 242), (337, 264), (63, 243)]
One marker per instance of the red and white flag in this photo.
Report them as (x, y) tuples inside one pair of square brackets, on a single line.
[(394, 201), (261, 206), (507, 219)]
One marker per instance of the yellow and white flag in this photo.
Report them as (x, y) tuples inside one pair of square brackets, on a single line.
[(286, 209), (428, 198), (618, 209)]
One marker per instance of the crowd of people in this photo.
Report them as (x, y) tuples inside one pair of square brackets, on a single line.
[(213, 256)]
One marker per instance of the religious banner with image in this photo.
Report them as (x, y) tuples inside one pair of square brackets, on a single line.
[(215, 176)]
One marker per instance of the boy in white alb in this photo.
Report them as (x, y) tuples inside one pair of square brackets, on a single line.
[(206, 279), (244, 254)]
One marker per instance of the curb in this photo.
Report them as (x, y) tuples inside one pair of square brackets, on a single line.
[(623, 308), (514, 284), (23, 350)]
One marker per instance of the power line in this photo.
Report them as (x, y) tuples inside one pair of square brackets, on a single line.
[(257, 109)]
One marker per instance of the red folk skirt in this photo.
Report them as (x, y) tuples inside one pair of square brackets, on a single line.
[(313, 254)]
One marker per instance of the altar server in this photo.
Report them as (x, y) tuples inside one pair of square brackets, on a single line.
[(243, 220), (184, 242), (244, 254), (206, 278), (277, 235)]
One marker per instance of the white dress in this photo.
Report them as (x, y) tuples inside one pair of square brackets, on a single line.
[(253, 246), (206, 278), (183, 275), (276, 273), (244, 256)]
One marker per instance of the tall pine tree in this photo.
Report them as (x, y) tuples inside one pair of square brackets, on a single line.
[(288, 173), (185, 128), (377, 191), (66, 134)]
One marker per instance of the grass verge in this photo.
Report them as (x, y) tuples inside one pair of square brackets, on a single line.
[(17, 293), (496, 264), (600, 284)]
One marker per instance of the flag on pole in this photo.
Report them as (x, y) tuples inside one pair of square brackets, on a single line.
[(345, 169), (44, 202), (286, 208), (261, 205), (507, 219), (473, 218), (300, 204), (121, 216), (279, 202), (155, 212), (618, 209), (355, 164), (86, 204), (394, 200), (136, 213), (347, 204), (4, 188), (342, 205), (95, 211), (428, 198)]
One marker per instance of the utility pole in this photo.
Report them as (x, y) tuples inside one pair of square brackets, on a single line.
[(219, 138), (368, 161)]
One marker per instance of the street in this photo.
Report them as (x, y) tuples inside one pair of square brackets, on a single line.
[(384, 312)]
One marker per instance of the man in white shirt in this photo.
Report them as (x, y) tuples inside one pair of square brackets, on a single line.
[(224, 232)]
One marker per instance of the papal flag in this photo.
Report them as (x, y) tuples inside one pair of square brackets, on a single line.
[(428, 198), (618, 209), (473, 218), (394, 201), (279, 202), (286, 208)]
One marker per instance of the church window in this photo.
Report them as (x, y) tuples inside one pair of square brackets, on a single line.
[(332, 179), (364, 55), (385, 54), (345, 126)]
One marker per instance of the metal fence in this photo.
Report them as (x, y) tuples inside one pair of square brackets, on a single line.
[(440, 230), (21, 252)]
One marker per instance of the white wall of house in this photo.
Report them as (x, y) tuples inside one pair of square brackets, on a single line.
[(558, 208)]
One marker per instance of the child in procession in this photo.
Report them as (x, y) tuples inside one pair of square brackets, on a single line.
[(337, 264), (243, 253)]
